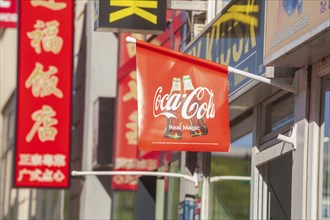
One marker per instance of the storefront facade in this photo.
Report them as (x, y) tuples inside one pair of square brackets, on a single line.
[(289, 180)]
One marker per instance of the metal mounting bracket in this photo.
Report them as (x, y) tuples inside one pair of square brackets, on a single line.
[(187, 5), (194, 178), (220, 178), (291, 139), (286, 87)]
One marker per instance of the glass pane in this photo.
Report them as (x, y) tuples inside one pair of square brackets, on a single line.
[(160, 195), (231, 199), (325, 151), (173, 192), (280, 113), (124, 204)]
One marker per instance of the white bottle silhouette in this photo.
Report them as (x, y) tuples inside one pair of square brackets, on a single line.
[(173, 125), (198, 125)]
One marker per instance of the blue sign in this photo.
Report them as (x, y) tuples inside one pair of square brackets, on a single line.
[(236, 39)]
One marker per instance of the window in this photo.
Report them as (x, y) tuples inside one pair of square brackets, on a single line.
[(124, 204), (230, 199), (44, 204), (8, 195), (325, 150), (173, 192), (277, 117), (279, 113)]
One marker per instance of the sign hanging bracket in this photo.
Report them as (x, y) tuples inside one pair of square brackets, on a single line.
[(187, 5), (284, 86), (289, 139), (195, 178), (238, 178)]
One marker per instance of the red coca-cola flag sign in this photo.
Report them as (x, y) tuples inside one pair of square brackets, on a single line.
[(182, 101), (44, 90)]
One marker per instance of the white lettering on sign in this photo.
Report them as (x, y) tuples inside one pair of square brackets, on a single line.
[(49, 160), (38, 175), (8, 17), (127, 179), (130, 163), (5, 3), (191, 105)]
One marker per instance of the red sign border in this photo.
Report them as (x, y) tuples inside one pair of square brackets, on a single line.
[(68, 166)]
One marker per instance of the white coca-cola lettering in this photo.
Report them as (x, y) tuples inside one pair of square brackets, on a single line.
[(166, 103), (197, 108), (190, 108)]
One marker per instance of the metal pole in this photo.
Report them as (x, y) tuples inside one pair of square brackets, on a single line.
[(130, 40), (193, 178), (271, 82), (211, 7), (187, 5), (206, 168), (283, 86), (220, 178)]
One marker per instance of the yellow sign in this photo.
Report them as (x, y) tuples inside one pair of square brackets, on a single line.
[(137, 16), (235, 38), (133, 7)]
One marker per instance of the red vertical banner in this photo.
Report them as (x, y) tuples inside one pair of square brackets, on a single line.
[(127, 157), (44, 93), (127, 51), (126, 154), (126, 150)]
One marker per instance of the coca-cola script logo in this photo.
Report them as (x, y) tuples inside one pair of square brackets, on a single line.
[(189, 104)]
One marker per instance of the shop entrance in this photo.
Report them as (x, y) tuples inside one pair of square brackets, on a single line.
[(276, 196)]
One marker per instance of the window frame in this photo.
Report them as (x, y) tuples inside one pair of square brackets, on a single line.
[(321, 146), (7, 155), (268, 139)]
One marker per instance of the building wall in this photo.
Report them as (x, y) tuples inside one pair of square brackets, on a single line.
[(79, 75), (95, 57), (293, 189), (100, 81), (8, 58)]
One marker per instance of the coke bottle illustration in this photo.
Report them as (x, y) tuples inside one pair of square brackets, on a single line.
[(173, 124), (194, 122)]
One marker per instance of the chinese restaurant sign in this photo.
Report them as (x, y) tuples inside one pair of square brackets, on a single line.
[(44, 93), (235, 39), (8, 13), (126, 155), (146, 16), (182, 101)]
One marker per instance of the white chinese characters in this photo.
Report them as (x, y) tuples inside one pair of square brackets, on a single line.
[(49, 160), (37, 174)]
